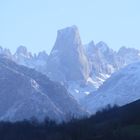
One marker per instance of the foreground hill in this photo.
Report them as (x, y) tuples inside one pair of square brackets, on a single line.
[(111, 124)]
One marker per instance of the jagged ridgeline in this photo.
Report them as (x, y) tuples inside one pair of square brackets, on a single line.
[(86, 77)]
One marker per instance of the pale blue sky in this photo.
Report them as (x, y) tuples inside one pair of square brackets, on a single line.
[(34, 23)]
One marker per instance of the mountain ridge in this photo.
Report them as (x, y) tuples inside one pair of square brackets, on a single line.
[(82, 69), (32, 94)]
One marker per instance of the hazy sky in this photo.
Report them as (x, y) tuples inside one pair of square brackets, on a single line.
[(34, 23)]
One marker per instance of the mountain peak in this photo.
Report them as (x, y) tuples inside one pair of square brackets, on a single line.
[(91, 43), (21, 49), (90, 47), (70, 29), (125, 49), (102, 46), (23, 52), (67, 57), (42, 55), (69, 36)]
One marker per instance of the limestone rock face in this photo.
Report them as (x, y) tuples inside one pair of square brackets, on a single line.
[(67, 60)]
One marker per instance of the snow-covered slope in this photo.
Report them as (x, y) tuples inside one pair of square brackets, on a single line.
[(121, 88), (103, 60), (26, 93)]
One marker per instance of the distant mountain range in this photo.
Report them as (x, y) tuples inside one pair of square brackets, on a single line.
[(90, 76)]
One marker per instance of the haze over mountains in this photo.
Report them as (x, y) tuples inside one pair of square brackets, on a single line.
[(83, 71)]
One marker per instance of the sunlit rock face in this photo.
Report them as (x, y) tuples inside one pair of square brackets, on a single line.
[(67, 60), (103, 61)]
